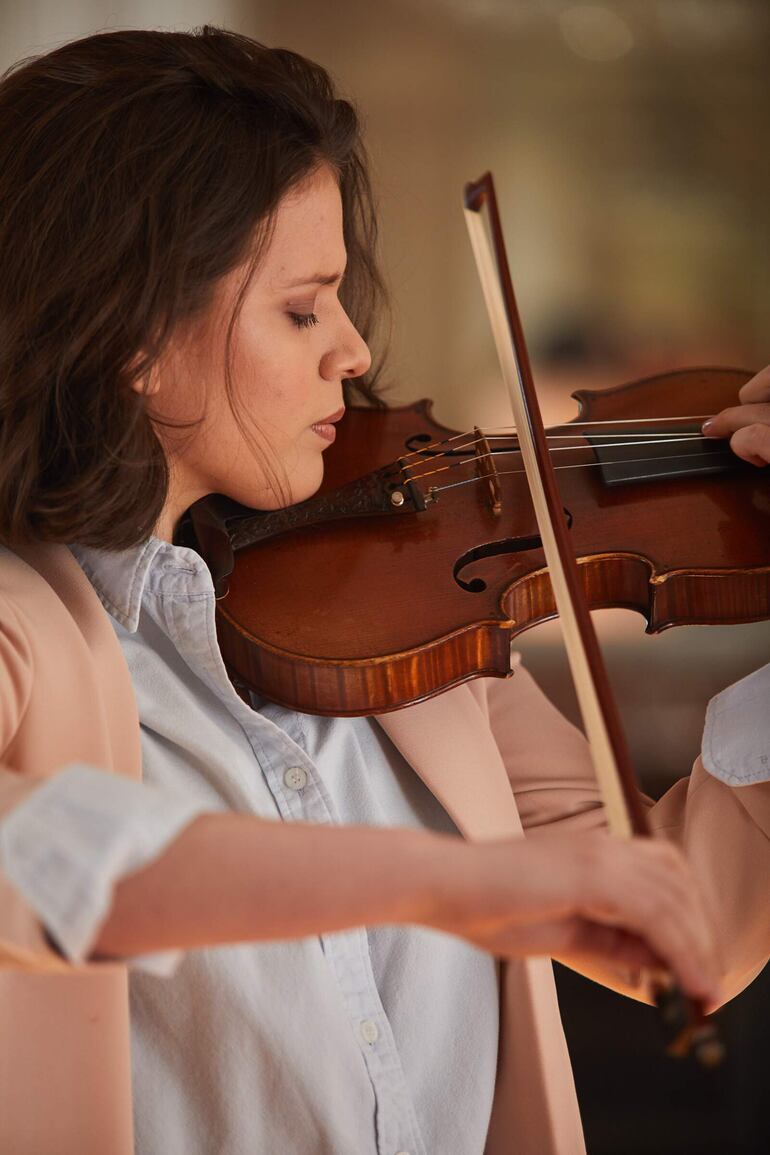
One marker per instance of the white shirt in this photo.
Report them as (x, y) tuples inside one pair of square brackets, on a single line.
[(380, 1042), (736, 735)]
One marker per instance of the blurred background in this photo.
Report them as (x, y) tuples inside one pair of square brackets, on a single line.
[(630, 144)]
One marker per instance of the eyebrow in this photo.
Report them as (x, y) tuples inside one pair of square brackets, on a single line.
[(317, 279)]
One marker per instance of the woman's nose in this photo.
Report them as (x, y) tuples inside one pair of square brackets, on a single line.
[(350, 357)]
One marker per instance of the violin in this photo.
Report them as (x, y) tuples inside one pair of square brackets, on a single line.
[(425, 542), (436, 548)]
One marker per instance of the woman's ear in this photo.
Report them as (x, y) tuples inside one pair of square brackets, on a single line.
[(147, 384)]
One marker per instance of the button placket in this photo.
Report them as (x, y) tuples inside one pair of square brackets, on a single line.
[(348, 956), (300, 795), (298, 792)]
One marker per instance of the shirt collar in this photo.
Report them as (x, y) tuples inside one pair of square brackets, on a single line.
[(121, 577)]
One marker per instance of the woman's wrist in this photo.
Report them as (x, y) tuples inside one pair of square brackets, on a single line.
[(462, 879)]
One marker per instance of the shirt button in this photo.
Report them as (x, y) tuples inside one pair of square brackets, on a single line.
[(295, 777), (402, 1153), (369, 1031)]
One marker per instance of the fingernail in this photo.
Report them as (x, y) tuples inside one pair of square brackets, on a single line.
[(706, 426)]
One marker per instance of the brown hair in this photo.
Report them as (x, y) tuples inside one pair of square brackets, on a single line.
[(136, 169)]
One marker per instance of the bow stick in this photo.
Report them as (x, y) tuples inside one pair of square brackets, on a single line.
[(684, 1021)]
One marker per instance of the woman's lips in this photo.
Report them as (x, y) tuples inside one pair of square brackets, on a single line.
[(325, 428)]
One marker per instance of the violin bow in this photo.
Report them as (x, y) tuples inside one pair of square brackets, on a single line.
[(685, 1025)]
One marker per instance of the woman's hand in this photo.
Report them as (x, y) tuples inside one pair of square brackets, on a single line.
[(589, 898), (748, 424)]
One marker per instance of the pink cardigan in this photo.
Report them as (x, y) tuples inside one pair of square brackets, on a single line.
[(497, 756)]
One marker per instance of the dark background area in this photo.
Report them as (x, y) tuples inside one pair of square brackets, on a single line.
[(635, 1100)]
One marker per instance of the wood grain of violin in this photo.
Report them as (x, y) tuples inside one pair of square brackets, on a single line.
[(430, 587)]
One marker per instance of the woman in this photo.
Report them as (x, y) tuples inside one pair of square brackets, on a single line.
[(179, 213)]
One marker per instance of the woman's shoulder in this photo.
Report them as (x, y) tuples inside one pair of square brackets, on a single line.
[(41, 583), (25, 598), (48, 611), (64, 685), (15, 573), (34, 581)]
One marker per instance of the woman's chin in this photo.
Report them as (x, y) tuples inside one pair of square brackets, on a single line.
[(291, 492), (307, 485)]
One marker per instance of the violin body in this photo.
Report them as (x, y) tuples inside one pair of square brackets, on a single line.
[(362, 615)]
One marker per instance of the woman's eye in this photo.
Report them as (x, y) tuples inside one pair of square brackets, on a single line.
[(304, 320)]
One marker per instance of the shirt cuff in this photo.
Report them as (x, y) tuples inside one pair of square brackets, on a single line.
[(736, 732), (68, 843)]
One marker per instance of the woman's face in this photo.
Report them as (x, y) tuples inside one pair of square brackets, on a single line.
[(292, 347)]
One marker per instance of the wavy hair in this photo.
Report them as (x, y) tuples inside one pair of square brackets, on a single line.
[(137, 168)]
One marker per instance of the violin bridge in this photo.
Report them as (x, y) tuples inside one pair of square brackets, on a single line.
[(486, 470)]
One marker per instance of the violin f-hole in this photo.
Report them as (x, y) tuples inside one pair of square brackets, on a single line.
[(507, 545)]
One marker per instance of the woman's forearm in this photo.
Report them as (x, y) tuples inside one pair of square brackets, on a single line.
[(231, 878), (236, 878)]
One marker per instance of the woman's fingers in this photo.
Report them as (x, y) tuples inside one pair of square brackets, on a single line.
[(752, 442), (758, 388), (737, 417), (581, 940), (631, 904), (748, 424), (651, 892)]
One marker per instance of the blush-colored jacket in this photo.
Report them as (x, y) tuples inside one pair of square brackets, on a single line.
[(497, 756)]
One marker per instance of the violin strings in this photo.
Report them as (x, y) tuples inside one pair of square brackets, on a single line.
[(502, 432), (664, 433), (414, 475), (472, 459), (435, 490), (615, 421), (663, 436), (634, 439)]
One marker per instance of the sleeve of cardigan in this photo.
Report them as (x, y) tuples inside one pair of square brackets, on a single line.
[(724, 830), (66, 840), (547, 758), (22, 940), (69, 841)]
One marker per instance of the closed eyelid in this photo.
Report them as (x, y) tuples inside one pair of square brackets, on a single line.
[(308, 303)]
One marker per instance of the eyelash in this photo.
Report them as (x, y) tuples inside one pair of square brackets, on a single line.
[(304, 320)]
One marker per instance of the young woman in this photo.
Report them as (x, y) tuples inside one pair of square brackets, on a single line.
[(187, 238)]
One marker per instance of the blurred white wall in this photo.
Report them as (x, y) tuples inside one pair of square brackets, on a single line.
[(31, 26)]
